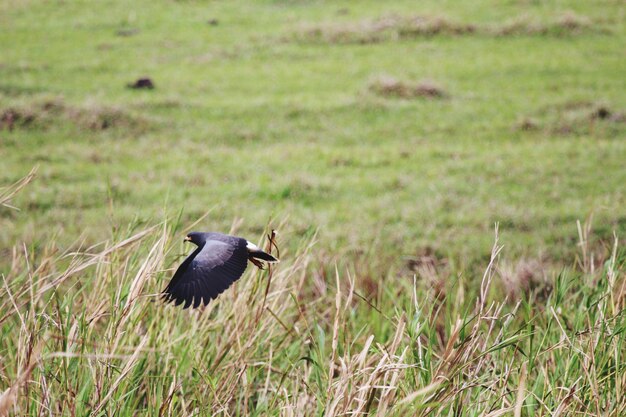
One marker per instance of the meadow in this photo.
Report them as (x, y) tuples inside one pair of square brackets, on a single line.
[(446, 178)]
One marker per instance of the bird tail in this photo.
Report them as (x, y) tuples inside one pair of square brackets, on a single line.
[(263, 256), (255, 253)]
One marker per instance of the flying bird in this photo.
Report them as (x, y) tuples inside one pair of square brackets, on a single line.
[(217, 262)]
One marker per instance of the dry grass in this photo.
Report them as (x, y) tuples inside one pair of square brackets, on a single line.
[(50, 113), (584, 118), (526, 124), (12, 118), (387, 86), (568, 23), (385, 28), (7, 193), (523, 278), (82, 335), (576, 118), (393, 27)]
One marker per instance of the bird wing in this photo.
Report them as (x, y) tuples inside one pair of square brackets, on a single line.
[(207, 272)]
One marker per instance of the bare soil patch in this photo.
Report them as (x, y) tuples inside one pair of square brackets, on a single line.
[(142, 84)]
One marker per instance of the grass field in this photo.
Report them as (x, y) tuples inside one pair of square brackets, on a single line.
[(384, 140)]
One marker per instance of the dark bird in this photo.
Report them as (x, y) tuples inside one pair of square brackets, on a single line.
[(218, 261)]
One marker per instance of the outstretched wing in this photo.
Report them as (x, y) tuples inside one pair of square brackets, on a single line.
[(207, 272)]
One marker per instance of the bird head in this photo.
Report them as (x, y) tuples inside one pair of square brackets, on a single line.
[(197, 238)]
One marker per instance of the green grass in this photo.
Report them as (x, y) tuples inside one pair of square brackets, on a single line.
[(272, 118), (253, 122)]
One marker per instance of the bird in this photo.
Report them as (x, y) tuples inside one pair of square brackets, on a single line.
[(217, 262)]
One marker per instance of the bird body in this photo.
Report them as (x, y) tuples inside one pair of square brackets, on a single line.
[(217, 262)]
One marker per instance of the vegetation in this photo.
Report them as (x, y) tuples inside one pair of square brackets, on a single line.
[(85, 338), (382, 139)]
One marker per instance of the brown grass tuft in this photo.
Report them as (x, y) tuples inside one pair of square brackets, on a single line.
[(55, 112), (12, 118), (573, 22), (524, 277), (98, 118), (386, 28), (430, 26), (431, 268), (427, 257), (386, 86), (527, 124), (585, 118), (394, 27), (576, 118), (568, 23)]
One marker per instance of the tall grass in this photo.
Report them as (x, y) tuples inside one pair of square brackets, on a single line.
[(83, 335)]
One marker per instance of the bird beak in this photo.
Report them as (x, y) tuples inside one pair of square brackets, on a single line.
[(187, 239)]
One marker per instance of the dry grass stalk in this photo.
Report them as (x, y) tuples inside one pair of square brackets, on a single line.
[(130, 363), (8, 399), (7, 193)]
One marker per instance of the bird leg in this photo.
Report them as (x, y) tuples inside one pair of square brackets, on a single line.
[(258, 263)]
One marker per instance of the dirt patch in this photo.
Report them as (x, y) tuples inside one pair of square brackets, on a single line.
[(142, 84), (602, 113), (53, 113), (394, 27), (386, 86)]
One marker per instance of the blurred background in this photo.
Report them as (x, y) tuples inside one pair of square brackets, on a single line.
[(401, 131)]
